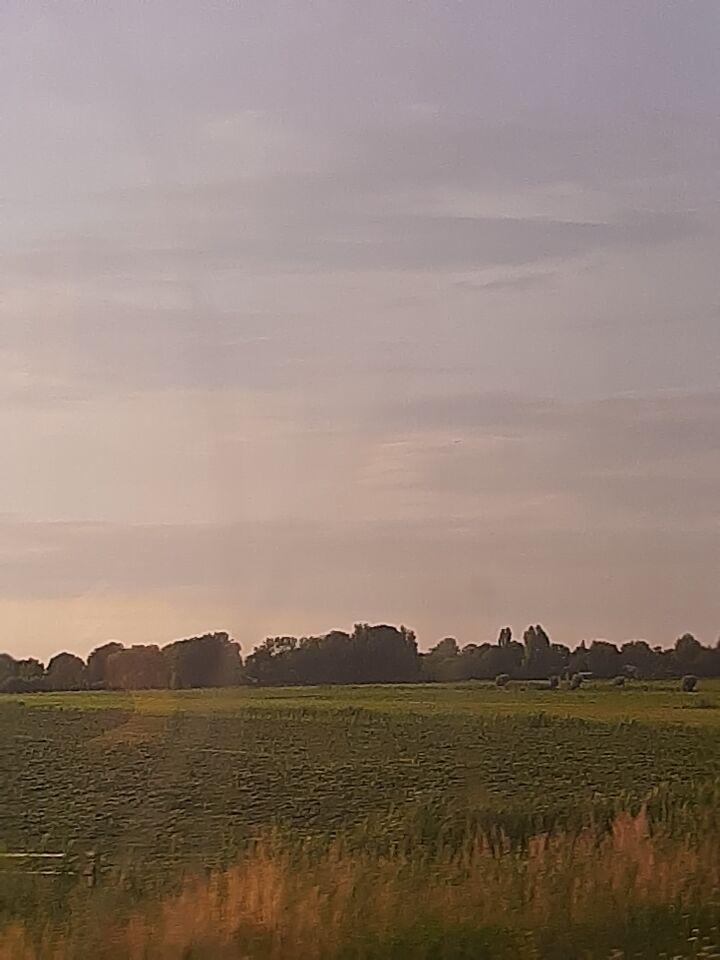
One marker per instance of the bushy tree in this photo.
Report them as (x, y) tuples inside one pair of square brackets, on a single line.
[(96, 670), (384, 654), (491, 660), (212, 660), (707, 662), (638, 659), (371, 654), (139, 667), (442, 662), (65, 672), (603, 659), (30, 669), (687, 650), (272, 662), (472, 664), (8, 667)]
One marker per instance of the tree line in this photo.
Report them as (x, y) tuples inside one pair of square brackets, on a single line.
[(211, 660), (370, 654)]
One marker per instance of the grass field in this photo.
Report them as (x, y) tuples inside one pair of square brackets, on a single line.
[(653, 702), (443, 821)]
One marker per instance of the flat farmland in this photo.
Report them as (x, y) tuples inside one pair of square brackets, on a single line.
[(652, 702), (162, 788)]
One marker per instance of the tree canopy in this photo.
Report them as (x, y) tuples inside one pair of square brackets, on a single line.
[(377, 653)]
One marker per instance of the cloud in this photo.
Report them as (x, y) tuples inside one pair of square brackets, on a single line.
[(644, 463), (311, 230), (252, 191), (154, 582), (599, 518), (302, 320)]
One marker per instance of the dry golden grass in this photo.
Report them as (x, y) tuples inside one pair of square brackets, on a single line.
[(280, 902)]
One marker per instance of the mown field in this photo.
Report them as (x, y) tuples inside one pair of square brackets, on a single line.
[(443, 821), (654, 702)]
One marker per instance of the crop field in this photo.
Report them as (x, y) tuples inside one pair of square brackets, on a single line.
[(363, 822)]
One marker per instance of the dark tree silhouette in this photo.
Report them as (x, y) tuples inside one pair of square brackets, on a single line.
[(538, 660), (687, 650), (370, 654), (65, 672), (504, 637), (137, 668), (603, 659), (96, 670), (30, 669), (442, 662), (638, 659), (212, 660), (8, 668)]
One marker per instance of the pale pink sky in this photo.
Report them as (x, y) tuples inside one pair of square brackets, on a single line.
[(316, 312)]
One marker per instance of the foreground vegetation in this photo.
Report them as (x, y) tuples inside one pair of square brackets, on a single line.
[(366, 822), (630, 891)]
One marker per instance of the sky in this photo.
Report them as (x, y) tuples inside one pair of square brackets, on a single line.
[(315, 312)]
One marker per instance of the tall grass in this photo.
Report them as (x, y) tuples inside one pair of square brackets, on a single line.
[(639, 888)]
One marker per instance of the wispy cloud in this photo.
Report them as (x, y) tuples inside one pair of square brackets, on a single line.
[(311, 312)]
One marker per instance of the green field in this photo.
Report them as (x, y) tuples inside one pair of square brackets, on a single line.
[(654, 702), (517, 818)]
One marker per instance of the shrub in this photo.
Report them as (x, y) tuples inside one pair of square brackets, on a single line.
[(502, 679), (575, 681), (688, 684), (619, 682)]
